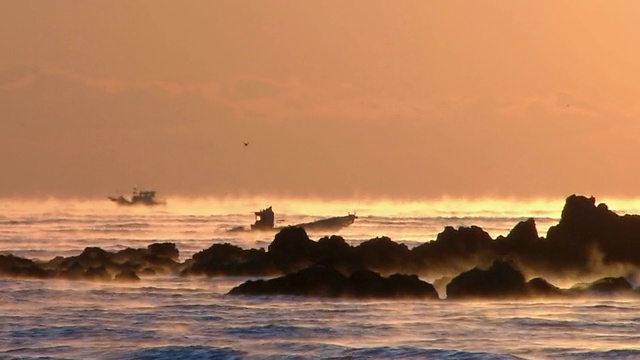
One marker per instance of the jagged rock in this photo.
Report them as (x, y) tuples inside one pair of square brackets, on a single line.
[(586, 230), (454, 246), (522, 237)]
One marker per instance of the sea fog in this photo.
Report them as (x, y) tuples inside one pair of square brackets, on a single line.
[(166, 317), (45, 228)]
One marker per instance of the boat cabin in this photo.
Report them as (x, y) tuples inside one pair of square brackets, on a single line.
[(265, 219)]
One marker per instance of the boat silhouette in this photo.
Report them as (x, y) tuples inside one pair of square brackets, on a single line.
[(265, 221), (142, 197)]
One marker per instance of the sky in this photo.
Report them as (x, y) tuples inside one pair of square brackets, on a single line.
[(352, 99)]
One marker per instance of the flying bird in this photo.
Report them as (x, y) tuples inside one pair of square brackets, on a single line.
[(246, 143)]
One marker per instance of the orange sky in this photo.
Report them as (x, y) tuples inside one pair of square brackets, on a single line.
[(339, 99)]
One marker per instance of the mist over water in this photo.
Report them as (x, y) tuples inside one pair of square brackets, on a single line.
[(164, 317)]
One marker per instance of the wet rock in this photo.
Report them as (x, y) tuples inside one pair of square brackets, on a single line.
[(382, 254), (334, 251), (501, 280), (453, 247), (14, 266), (313, 281), (291, 249), (164, 250), (226, 259), (323, 281)]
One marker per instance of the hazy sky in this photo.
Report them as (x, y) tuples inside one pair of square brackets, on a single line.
[(339, 99)]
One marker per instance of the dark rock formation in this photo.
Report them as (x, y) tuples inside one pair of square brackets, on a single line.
[(324, 281), (455, 248), (586, 230), (164, 251), (17, 267), (127, 276), (95, 264), (604, 286), (334, 251), (227, 259), (383, 255), (522, 239), (501, 280), (586, 240), (539, 287), (292, 249)]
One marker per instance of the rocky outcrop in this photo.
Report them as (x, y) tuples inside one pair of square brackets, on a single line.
[(324, 281), (17, 267), (229, 260), (454, 249), (95, 264), (586, 240), (586, 230), (539, 287), (501, 280), (606, 286)]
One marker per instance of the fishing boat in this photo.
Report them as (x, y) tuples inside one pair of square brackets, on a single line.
[(138, 197), (265, 221)]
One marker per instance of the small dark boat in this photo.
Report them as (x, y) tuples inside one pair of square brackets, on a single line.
[(265, 221), (143, 197)]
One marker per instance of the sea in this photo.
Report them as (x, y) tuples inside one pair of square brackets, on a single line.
[(172, 317)]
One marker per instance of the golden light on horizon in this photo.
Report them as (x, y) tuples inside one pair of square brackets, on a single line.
[(417, 100)]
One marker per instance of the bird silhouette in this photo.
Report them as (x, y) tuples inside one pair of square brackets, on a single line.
[(246, 143)]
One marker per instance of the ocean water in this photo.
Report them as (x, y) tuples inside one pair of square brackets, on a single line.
[(167, 317)]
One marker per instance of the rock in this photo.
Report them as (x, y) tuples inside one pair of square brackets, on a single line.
[(164, 250), (127, 276), (454, 247), (382, 254), (97, 273), (324, 281), (501, 280), (229, 260), (292, 250), (14, 266), (604, 286), (539, 287), (319, 281)]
